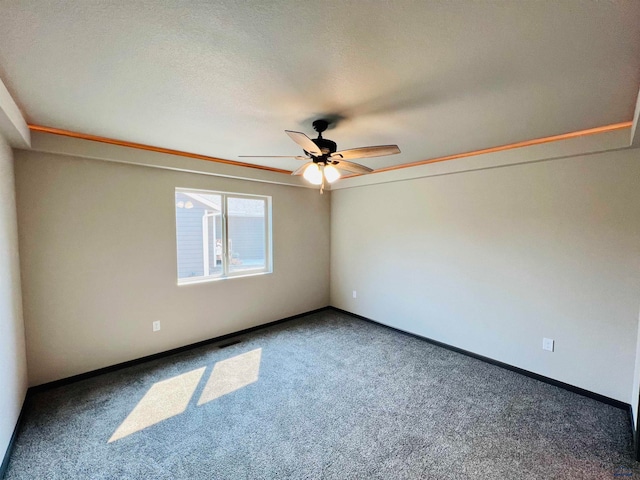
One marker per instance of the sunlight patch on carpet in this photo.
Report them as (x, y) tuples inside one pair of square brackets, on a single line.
[(232, 374), (164, 400)]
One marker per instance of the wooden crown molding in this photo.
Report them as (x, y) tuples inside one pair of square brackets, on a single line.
[(510, 146), (501, 148), (151, 148)]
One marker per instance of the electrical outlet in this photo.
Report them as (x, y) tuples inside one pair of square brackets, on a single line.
[(156, 325), (547, 344), (355, 294)]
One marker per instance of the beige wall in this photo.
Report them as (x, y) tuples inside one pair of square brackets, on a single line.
[(13, 367), (492, 261), (635, 393), (99, 263)]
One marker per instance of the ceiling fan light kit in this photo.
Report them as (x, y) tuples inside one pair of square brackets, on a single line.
[(331, 173), (323, 159), (312, 174)]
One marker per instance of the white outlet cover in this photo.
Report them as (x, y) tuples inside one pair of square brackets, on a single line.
[(355, 294), (547, 344), (156, 326)]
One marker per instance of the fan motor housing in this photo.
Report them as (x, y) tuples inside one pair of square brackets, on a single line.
[(326, 146)]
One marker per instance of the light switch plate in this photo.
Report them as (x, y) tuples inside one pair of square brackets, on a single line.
[(547, 344)]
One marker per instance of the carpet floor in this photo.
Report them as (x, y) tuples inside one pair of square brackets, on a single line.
[(323, 396)]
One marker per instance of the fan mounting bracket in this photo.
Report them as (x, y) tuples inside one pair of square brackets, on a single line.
[(320, 126)]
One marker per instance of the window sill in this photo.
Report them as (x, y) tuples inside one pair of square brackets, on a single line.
[(197, 280)]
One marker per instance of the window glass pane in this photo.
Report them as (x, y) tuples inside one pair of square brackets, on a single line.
[(198, 231), (246, 233)]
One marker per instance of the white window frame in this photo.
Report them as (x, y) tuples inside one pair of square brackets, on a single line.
[(226, 259)]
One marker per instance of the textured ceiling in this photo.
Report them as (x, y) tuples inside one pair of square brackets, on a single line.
[(227, 78)]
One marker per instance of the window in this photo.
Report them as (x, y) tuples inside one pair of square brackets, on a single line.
[(220, 235)]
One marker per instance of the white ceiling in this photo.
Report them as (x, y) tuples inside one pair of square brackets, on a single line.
[(227, 78)]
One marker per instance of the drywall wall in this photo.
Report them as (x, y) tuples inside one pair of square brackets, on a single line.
[(13, 367), (99, 263), (492, 261), (635, 393)]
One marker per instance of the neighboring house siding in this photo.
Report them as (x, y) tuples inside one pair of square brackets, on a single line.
[(247, 237), (189, 238)]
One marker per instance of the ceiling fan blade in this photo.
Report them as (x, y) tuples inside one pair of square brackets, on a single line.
[(300, 170), (305, 142), (366, 152), (297, 157), (350, 166)]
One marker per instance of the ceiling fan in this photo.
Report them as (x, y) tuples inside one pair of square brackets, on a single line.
[(323, 161)]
